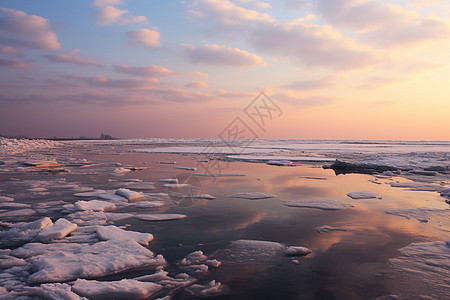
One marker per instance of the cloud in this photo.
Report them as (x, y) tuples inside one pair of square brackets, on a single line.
[(17, 29), (72, 58), (302, 101), (312, 84), (383, 24), (227, 14), (196, 84), (15, 64), (108, 15), (128, 84), (180, 95), (100, 3), (147, 71), (311, 44), (145, 37), (221, 56), (8, 50)]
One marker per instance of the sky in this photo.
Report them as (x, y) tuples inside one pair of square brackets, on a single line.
[(329, 69)]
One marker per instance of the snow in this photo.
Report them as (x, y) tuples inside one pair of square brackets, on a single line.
[(129, 194), (363, 195), (297, 251), (252, 195), (123, 289), (54, 291), (326, 228), (17, 213), (62, 261), (160, 217), (115, 233), (95, 205), (327, 204), (279, 160), (60, 229), (423, 214)]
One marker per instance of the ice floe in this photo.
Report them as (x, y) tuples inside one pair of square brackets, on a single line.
[(423, 214), (95, 205), (58, 230), (122, 289), (363, 195), (41, 163), (326, 204), (17, 213), (13, 205), (169, 180), (130, 195), (219, 174), (423, 267), (186, 168), (62, 262), (160, 217), (54, 291), (23, 232), (115, 233), (297, 251), (141, 186), (149, 204), (252, 195), (326, 228), (6, 199), (12, 146), (251, 252)]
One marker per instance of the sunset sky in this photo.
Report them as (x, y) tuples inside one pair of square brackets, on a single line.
[(338, 69)]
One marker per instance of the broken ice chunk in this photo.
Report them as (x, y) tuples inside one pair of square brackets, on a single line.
[(115, 233), (297, 251), (160, 217), (252, 195), (60, 229), (363, 195), (326, 204), (129, 194), (123, 289), (54, 291), (17, 213), (326, 228), (95, 205)]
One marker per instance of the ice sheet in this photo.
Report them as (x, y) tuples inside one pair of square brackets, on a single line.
[(252, 195), (327, 204)]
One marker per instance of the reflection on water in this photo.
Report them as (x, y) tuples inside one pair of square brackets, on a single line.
[(343, 265)]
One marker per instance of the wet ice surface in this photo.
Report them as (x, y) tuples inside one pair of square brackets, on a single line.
[(100, 220)]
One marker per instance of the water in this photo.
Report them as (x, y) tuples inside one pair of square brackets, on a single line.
[(350, 264)]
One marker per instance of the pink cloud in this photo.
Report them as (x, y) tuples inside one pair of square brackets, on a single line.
[(227, 13), (145, 37), (222, 56), (147, 71), (30, 31), (108, 15), (15, 64), (383, 24), (196, 85), (312, 45), (128, 84), (72, 58), (312, 84), (8, 50)]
